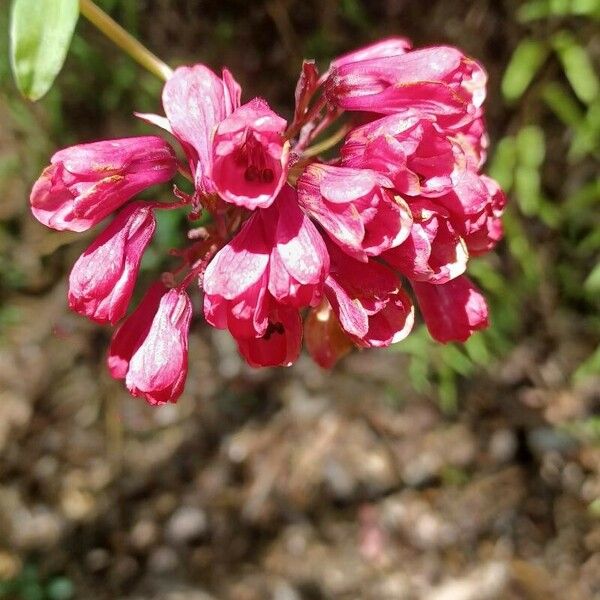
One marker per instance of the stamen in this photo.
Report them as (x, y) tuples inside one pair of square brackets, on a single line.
[(266, 175), (252, 173)]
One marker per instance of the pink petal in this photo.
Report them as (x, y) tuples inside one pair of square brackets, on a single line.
[(239, 264), (195, 102), (102, 280), (453, 311), (158, 368)]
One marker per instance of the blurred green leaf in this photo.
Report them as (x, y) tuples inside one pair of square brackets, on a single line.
[(594, 508), (457, 360), (355, 12), (578, 66), (562, 104), (503, 162), (531, 146), (592, 282), (527, 190), (590, 243), (540, 9), (448, 391), (477, 349), (591, 366), (527, 58), (40, 35), (531, 149)]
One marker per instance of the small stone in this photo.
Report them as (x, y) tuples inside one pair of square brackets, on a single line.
[(185, 524), (36, 529), (503, 445), (78, 505), (143, 535)]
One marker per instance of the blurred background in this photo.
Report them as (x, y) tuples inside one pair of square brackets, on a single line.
[(422, 472)]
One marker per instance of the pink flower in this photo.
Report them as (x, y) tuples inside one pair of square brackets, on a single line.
[(250, 156), (281, 342), (102, 280), (438, 80), (195, 102), (150, 349), (476, 205), (85, 183), (410, 148), (453, 311), (433, 252), (278, 253), (356, 207), (368, 301), (393, 46)]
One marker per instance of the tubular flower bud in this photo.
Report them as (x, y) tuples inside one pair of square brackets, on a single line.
[(85, 183), (102, 280), (150, 349)]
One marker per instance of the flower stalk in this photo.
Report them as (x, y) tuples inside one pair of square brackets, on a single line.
[(124, 40)]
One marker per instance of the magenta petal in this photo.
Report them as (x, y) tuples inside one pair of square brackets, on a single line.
[(250, 156), (128, 337), (87, 182), (413, 151), (102, 280), (158, 368), (239, 264), (393, 46), (434, 251), (278, 252), (453, 311), (280, 345), (352, 315), (232, 92), (300, 256), (360, 215), (439, 80), (476, 205), (195, 102), (391, 324), (368, 301)]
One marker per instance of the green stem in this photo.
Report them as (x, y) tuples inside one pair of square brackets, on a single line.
[(327, 143), (124, 40)]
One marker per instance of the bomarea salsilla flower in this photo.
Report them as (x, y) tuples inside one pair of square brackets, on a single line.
[(150, 349), (278, 256), (86, 183), (358, 208), (440, 81), (411, 149), (103, 278), (250, 157), (293, 244)]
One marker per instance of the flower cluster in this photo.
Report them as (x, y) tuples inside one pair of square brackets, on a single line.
[(295, 245)]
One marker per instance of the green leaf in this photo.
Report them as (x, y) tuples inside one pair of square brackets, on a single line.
[(592, 282), (527, 58), (562, 103), (503, 162), (531, 146), (40, 34), (578, 67)]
